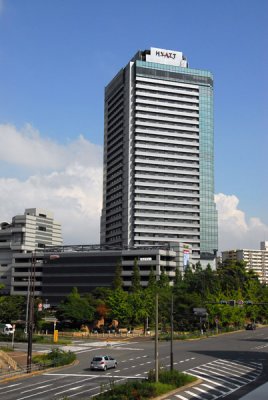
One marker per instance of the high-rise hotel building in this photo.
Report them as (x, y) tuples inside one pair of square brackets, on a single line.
[(158, 183)]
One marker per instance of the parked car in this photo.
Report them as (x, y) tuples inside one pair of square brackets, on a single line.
[(103, 362), (250, 327)]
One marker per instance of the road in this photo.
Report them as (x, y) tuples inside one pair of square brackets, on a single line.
[(229, 366)]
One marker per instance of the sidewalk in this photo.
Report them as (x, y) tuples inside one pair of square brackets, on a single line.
[(20, 357), (261, 393)]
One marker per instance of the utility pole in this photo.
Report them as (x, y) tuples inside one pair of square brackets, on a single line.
[(156, 337), (31, 313), (171, 332)]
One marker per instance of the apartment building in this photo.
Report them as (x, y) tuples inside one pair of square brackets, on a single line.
[(256, 260)]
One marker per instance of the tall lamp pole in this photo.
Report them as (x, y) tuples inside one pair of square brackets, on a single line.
[(156, 338), (30, 320), (171, 332)]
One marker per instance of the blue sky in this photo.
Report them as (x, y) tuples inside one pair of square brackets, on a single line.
[(56, 56)]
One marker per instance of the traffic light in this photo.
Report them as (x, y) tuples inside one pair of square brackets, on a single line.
[(249, 302), (223, 302), (231, 303)]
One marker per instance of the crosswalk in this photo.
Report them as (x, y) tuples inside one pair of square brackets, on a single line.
[(84, 347), (219, 378)]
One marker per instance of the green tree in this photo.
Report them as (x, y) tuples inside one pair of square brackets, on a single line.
[(75, 308), (178, 278), (152, 280), (119, 306), (118, 281), (135, 279), (163, 280), (12, 308)]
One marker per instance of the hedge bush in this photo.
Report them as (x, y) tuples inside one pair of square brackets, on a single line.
[(146, 389), (134, 390), (54, 358)]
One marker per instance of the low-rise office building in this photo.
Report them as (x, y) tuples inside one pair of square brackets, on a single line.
[(61, 268), (256, 260)]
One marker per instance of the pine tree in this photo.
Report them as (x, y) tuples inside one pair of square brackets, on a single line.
[(136, 279), (118, 281)]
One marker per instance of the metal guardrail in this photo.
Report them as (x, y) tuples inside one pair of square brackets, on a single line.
[(23, 369)]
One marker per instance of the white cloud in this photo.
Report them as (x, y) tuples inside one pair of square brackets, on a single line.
[(27, 148), (235, 230), (69, 184), (67, 180)]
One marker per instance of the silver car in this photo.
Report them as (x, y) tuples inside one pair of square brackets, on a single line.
[(103, 363)]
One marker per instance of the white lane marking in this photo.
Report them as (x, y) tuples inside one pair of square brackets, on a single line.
[(14, 384), (206, 379), (240, 379), (68, 390), (260, 347), (237, 374), (194, 394), (213, 388), (237, 367), (138, 375), (37, 388), (126, 348), (90, 390), (181, 397), (98, 376), (205, 392), (55, 374), (49, 390), (32, 384), (216, 377), (85, 351), (250, 371)]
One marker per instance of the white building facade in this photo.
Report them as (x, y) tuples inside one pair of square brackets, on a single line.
[(158, 183), (32, 231), (256, 260)]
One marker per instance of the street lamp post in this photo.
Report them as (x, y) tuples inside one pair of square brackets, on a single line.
[(27, 307), (171, 332), (156, 338), (30, 320)]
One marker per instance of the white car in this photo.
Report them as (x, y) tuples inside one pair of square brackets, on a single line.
[(103, 363)]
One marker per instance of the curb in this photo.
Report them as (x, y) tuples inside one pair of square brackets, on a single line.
[(178, 390)]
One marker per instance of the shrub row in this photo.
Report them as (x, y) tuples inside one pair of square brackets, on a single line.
[(147, 389), (54, 358)]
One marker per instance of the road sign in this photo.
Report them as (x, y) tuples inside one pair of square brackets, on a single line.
[(200, 311)]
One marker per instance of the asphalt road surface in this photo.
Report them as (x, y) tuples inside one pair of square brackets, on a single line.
[(229, 365)]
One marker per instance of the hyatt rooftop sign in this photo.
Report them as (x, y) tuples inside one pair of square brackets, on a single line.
[(169, 57)]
